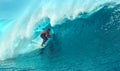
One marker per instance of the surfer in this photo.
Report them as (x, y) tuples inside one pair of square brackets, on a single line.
[(45, 35)]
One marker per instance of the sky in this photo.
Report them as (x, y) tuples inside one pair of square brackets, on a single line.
[(12, 8)]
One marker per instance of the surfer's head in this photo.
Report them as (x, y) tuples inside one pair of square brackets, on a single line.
[(48, 29)]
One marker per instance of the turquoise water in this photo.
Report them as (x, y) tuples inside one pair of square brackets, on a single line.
[(88, 42)]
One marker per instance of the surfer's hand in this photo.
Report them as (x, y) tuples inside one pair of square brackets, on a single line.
[(48, 36)]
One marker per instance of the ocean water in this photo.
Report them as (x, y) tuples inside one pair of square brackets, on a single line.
[(85, 35)]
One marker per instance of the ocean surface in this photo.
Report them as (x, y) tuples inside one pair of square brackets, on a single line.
[(85, 35)]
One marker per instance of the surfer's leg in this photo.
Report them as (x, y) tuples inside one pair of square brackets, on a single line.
[(44, 40), (43, 43)]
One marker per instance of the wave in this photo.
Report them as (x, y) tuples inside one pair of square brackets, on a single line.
[(21, 35), (90, 40)]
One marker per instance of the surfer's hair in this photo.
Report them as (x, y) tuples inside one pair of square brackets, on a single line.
[(49, 29)]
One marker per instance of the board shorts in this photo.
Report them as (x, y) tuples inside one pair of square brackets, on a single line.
[(44, 37)]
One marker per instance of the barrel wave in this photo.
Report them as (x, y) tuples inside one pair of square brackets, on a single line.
[(82, 39)]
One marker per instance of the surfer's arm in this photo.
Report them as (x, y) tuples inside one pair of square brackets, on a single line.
[(48, 35)]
